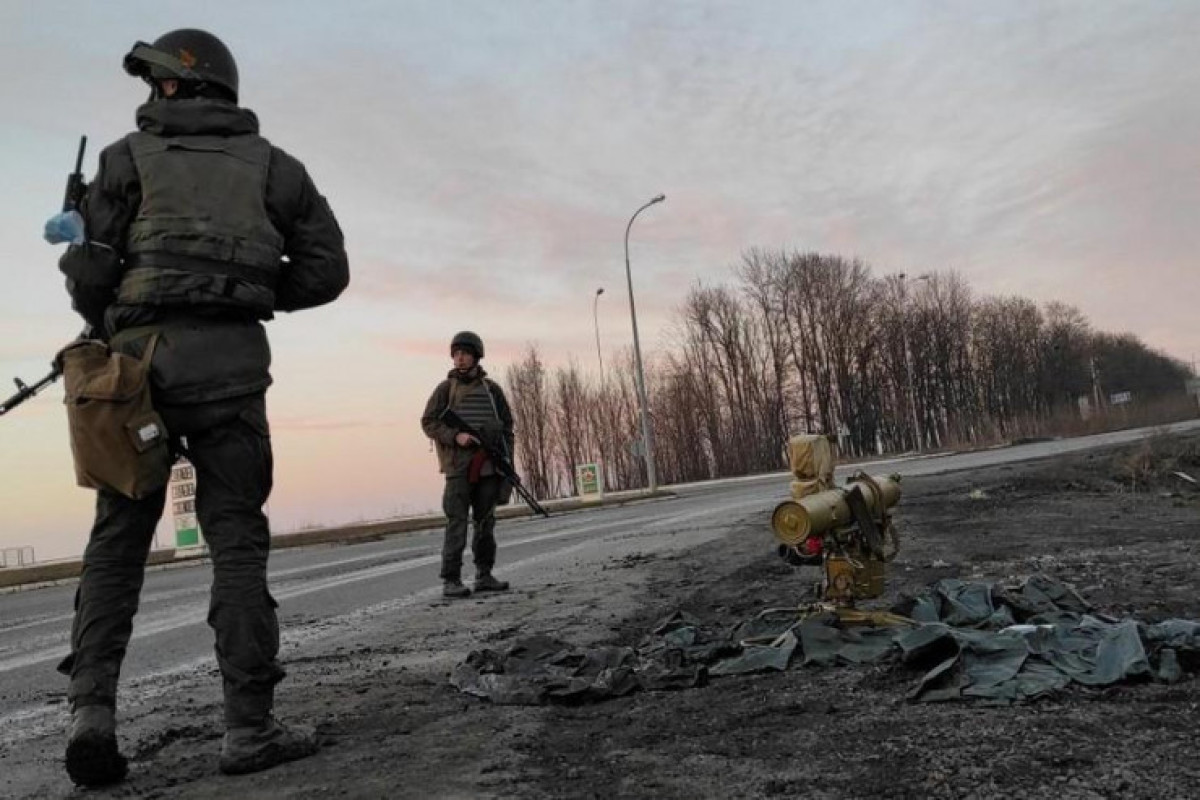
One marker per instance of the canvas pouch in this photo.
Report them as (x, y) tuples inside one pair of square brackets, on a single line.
[(118, 440)]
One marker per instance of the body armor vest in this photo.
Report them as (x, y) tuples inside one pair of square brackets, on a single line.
[(202, 236), (474, 404)]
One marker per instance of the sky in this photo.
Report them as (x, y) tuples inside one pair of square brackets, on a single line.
[(483, 159)]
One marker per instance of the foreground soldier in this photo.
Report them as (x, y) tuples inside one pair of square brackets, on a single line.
[(472, 486), (197, 229)]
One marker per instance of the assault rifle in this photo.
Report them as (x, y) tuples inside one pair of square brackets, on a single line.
[(76, 188), (498, 453)]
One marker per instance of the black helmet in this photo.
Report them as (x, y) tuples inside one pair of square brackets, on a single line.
[(466, 340), (195, 57)]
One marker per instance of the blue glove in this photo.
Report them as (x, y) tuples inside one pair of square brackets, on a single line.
[(65, 227)]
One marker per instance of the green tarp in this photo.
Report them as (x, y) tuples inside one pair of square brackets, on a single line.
[(970, 640)]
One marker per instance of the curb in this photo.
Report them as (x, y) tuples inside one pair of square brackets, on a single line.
[(36, 575), (63, 570)]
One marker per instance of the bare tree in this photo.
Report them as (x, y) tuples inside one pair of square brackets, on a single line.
[(530, 404), (814, 342)]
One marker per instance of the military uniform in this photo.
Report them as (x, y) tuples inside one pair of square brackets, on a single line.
[(473, 489), (198, 230)]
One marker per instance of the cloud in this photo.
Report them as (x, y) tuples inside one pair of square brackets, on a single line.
[(484, 161)]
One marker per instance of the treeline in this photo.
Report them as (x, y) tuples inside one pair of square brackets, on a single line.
[(805, 342)]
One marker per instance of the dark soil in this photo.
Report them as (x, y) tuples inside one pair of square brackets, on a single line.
[(1117, 525), (847, 732)]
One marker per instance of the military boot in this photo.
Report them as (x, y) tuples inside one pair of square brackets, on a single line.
[(486, 583), (454, 589), (254, 748), (92, 756)]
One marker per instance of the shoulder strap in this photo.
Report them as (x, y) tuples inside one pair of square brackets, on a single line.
[(487, 387), (453, 392), (148, 353)]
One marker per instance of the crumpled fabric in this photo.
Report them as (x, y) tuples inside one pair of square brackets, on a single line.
[(972, 641), (1051, 643), (536, 670), (66, 226), (541, 669)]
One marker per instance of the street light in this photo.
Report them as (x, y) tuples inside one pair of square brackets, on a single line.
[(596, 318), (908, 364), (647, 438)]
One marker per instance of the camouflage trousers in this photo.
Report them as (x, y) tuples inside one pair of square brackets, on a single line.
[(229, 445), (462, 500)]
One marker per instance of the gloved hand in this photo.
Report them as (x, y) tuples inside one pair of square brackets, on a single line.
[(65, 227)]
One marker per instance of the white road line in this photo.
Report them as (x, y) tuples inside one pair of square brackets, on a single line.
[(152, 625), (39, 719)]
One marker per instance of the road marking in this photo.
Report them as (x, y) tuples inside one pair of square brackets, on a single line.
[(153, 624), (38, 719)]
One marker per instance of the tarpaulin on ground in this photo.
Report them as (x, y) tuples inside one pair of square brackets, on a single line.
[(969, 640), (1018, 644), (541, 669)]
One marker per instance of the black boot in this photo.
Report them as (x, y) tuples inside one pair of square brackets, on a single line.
[(455, 589), (486, 583), (253, 748), (93, 759)]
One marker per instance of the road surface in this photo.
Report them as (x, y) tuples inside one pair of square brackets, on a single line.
[(325, 592)]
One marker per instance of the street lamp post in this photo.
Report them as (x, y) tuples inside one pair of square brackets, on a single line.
[(596, 319), (647, 436)]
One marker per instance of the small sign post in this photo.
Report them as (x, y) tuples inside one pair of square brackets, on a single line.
[(590, 481), (182, 492)]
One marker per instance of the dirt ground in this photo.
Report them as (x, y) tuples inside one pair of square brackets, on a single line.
[(1116, 524)]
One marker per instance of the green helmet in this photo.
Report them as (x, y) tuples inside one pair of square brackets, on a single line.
[(194, 57), (466, 340)]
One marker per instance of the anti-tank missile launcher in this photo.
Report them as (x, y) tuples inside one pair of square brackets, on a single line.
[(847, 530)]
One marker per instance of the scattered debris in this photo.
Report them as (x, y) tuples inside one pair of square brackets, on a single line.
[(973, 639)]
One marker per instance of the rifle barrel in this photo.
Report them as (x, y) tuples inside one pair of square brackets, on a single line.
[(79, 155), (25, 391)]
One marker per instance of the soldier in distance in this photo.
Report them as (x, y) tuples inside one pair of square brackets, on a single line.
[(473, 487)]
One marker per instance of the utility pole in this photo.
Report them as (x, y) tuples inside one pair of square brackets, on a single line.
[(596, 319), (647, 435)]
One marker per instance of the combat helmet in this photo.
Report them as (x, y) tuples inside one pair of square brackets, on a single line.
[(466, 340), (196, 58)]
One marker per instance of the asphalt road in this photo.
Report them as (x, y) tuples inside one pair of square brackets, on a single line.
[(320, 588)]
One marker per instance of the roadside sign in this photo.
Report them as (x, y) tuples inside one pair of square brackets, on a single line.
[(182, 493), (1120, 397), (590, 481)]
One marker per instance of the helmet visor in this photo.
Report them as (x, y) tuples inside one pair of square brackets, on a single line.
[(143, 61)]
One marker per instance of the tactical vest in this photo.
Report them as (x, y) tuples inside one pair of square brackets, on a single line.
[(202, 236), (473, 402)]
